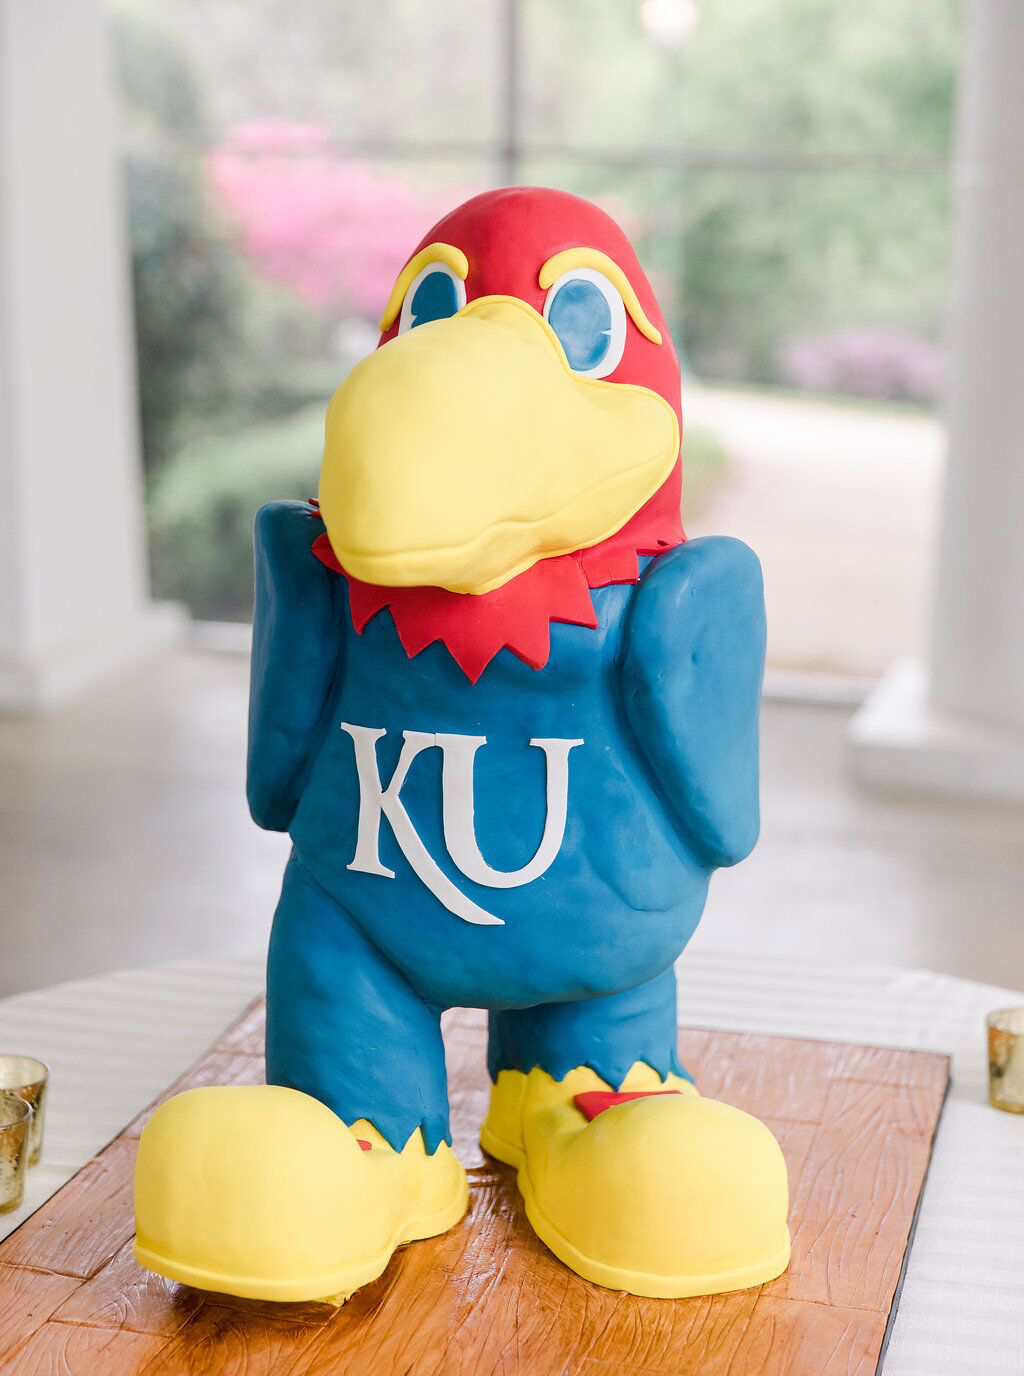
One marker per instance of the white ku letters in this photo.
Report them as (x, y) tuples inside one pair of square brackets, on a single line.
[(459, 753)]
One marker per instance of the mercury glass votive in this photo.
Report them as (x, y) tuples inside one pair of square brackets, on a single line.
[(15, 1120), (26, 1077), (1006, 1059)]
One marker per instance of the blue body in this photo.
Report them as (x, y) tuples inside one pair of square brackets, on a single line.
[(664, 694)]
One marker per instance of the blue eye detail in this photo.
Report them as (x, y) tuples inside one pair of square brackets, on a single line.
[(435, 294), (579, 315), (434, 299), (587, 314)]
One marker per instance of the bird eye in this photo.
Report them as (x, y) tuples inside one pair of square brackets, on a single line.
[(587, 314), (435, 293)]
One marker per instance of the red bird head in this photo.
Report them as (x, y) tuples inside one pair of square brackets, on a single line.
[(514, 441)]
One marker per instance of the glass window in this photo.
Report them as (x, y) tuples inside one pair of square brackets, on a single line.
[(779, 164)]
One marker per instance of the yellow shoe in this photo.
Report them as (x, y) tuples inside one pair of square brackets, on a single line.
[(264, 1192), (667, 1195)]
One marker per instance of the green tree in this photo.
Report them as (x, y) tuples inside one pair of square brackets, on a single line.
[(186, 285)]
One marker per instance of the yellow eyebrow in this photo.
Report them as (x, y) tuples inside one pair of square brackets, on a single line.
[(453, 258), (594, 258)]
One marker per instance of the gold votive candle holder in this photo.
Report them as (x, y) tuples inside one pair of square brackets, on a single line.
[(15, 1121), (26, 1077), (1006, 1059)]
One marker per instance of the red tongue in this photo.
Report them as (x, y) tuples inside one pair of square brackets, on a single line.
[(519, 614), (595, 1101)]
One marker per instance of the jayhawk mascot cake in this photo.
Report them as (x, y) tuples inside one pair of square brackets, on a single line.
[(507, 714)]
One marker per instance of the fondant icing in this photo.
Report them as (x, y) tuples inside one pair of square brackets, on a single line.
[(463, 486), (431, 255), (587, 264), (508, 717)]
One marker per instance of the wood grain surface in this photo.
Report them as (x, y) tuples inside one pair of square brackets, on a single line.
[(856, 1125)]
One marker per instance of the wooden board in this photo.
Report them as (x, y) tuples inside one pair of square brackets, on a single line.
[(856, 1124)]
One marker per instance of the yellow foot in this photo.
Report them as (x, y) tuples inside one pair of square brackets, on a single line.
[(263, 1192), (666, 1195)]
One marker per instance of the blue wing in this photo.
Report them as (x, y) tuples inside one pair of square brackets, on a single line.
[(692, 671), (296, 660)]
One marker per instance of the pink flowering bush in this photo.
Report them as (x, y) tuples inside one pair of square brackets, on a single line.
[(332, 229), (891, 365)]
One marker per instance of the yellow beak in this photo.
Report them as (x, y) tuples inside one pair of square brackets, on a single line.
[(462, 452)]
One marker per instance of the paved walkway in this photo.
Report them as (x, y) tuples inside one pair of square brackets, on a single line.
[(841, 504)]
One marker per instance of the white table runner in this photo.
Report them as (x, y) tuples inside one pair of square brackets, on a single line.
[(114, 1042)]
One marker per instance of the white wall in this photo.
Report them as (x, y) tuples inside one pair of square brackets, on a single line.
[(73, 594)]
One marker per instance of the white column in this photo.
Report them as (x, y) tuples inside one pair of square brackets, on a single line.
[(73, 589), (957, 724), (978, 656)]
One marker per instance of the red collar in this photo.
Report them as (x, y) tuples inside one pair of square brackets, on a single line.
[(517, 615)]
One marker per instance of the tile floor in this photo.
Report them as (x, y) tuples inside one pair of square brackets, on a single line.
[(124, 840)]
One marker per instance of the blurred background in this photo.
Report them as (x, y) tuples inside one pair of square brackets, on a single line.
[(256, 173), (781, 167)]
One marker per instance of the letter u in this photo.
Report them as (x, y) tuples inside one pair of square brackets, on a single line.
[(458, 810)]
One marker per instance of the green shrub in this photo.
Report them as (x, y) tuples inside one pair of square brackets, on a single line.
[(705, 465), (202, 508)]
